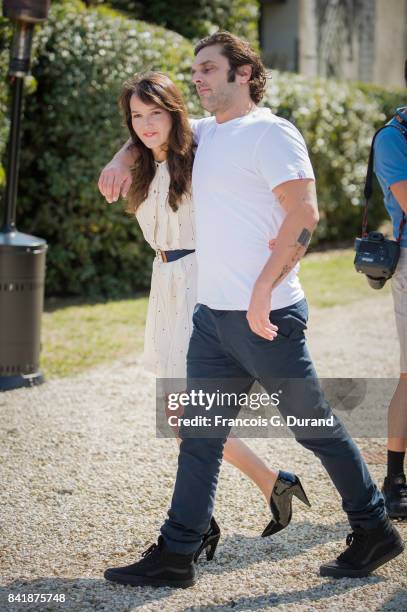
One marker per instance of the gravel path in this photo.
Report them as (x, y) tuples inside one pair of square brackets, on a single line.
[(86, 484)]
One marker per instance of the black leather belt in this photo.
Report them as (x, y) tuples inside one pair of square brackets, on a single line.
[(168, 256)]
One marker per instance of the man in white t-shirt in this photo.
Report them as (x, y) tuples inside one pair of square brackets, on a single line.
[(252, 180)]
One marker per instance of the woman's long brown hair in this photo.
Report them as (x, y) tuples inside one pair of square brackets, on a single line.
[(157, 88)]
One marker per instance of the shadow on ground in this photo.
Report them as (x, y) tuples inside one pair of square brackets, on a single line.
[(235, 554), (96, 594)]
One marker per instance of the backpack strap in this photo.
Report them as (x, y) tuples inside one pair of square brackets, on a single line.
[(369, 181)]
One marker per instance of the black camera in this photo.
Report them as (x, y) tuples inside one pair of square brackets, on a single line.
[(377, 257)]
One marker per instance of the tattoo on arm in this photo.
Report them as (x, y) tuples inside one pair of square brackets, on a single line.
[(283, 272), (303, 241), (304, 238)]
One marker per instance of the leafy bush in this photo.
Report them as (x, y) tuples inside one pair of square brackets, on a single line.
[(195, 19), (338, 121), (198, 19), (72, 126)]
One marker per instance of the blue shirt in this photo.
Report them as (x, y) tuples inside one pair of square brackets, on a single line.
[(390, 166)]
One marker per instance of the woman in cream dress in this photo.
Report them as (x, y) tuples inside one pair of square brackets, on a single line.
[(173, 285), (162, 152)]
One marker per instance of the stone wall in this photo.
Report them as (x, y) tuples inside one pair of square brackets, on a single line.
[(357, 40)]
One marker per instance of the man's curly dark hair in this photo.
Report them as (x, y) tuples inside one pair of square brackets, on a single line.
[(239, 53)]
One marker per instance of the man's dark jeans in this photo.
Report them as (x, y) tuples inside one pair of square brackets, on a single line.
[(223, 347)]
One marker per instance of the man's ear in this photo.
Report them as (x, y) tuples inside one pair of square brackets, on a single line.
[(243, 74)]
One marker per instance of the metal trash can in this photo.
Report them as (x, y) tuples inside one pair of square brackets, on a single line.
[(22, 276)]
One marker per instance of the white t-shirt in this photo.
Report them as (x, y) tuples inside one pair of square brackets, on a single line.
[(237, 165)]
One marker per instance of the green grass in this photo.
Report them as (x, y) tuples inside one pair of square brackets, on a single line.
[(329, 279), (77, 335)]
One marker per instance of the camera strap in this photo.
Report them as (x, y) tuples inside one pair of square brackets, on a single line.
[(369, 181)]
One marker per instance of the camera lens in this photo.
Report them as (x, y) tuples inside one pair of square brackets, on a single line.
[(376, 283)]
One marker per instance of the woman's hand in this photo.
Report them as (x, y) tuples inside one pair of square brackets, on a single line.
[(114, 181)]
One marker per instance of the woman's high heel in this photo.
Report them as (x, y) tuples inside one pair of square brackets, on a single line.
[(209, 541), (286, 486)]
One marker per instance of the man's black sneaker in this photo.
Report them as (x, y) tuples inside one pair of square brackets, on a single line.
[(395, 495), (368, 550), (158, 567)]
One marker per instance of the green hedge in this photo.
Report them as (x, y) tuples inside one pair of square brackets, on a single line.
[(338, 121), (194, 19), (200, 18), (72, 126)]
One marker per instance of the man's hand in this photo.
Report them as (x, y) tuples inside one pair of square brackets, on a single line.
[(259, 311), (115, 181), (298, 199)]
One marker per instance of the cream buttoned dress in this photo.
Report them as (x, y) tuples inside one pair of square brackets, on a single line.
[(173, 285)]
